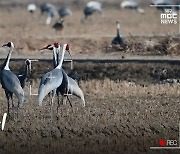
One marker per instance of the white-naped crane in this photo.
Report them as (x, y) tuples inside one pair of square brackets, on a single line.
[(64, 12), (118, 40), (10, 82), (131, 5), (51, 80), (55, 56), (68, 84), (92, 7), (162, 4), (58, 26), (24, 75), (31, 7), (50, 10)]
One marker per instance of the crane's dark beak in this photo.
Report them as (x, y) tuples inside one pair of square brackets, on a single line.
[(5, 45), (69, 53), (43, 48)]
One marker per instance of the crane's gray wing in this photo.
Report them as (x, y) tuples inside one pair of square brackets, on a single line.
[(64, 11), (74, 89), (72, 85), (49, 82), (44, 77), (12, 83), (51, 9)]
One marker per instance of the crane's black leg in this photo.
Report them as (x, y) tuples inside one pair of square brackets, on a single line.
[(60, 103), (49, 96), (57, 93), (11, 96), (8, 107), (69, 101), (52, 101), (8, 97)]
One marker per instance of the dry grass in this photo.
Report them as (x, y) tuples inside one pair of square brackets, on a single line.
[(121, 88), (126, 89)]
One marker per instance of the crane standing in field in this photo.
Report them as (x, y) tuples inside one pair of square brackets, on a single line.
[(118, 40), (10, 82), (131, 5), (64, 12), (58, 26), (31, 8), (51, 80), (68, 84), (23, 77), (91, 8), (51, 11)]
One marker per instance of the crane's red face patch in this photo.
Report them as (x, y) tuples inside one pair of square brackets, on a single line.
[(67, 47), (56, 44)]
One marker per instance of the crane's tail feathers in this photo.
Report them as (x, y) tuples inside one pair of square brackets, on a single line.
[(83, 102), (20, 96), (21, 99), (81, 95), (41, 94)]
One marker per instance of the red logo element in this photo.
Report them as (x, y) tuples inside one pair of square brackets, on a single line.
[(162, 143)]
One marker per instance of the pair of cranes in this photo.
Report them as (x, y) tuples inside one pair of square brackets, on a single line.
[(56, 80)]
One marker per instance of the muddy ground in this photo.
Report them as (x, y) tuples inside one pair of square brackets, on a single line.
[(127, 118), (127, 109)]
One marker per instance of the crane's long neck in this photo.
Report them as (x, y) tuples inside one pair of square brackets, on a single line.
[(6, 67), (57, 55), (62, 58), (55, 60), (118, 27), (26, 73)]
